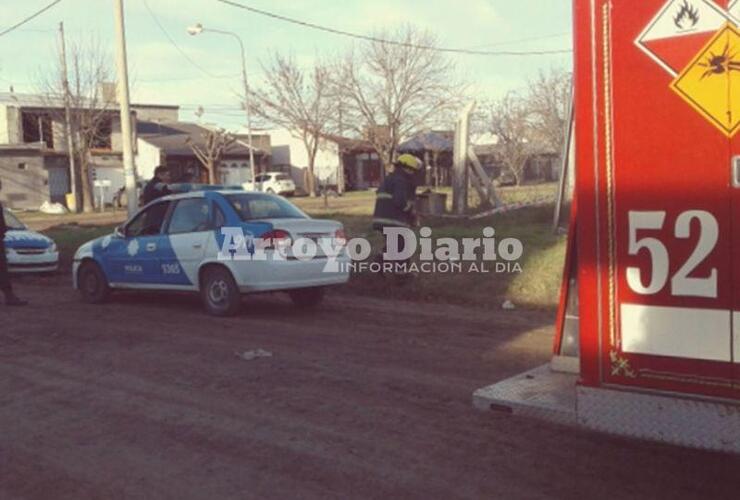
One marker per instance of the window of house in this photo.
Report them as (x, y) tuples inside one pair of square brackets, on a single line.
[(22, 166), (37, 128), (104, 131)]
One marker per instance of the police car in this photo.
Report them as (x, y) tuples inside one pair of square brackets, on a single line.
[(221, 243), (28, 251)]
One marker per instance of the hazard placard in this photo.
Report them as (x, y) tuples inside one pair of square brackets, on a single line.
[(707, 81), (679, 30)]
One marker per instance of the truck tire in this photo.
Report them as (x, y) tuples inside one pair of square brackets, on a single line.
[(219, 293)]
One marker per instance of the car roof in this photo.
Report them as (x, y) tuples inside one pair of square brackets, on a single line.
[(203, 194)]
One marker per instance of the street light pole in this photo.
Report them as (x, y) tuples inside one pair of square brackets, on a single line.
[(125, 109), (197, 30)]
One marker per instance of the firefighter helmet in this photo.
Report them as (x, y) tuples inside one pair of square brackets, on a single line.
[(409, 161)]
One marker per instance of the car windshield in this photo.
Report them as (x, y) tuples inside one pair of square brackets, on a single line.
[(12, 221), (254, 206)]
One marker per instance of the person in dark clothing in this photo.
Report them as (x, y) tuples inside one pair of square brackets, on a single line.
[(395, 205), (157, 187), (5, 286)]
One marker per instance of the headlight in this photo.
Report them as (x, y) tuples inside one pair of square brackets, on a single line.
[(52, 248)]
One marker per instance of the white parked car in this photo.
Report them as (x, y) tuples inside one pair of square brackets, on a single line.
[(188, 242), (273, 183), (28, 251)]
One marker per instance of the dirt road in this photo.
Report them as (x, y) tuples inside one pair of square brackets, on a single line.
[(146, 398)]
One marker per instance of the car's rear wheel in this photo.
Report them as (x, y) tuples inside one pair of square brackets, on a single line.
[(270, 191), (92, 283), (218, 290), (306, 298)]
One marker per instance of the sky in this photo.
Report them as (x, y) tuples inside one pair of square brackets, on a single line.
[(208, 74)]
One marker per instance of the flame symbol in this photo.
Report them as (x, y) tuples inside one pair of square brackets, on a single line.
[(687, 17)]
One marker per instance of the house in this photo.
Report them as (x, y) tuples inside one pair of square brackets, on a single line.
[(341, 162), (34, 158), (162, 142), (435, 148), (542, 166)]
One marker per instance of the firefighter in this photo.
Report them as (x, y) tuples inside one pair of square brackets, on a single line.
[(395, 205), (10, 298), (157, 186)]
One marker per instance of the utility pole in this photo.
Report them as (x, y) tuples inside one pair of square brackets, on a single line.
[(125, 108), (68, 121), (249, 115)]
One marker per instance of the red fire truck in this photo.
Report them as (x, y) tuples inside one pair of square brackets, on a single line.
[(654, 254)]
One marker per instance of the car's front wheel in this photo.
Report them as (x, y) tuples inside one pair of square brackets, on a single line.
[(218, 290), (306, 298), (92, 283)]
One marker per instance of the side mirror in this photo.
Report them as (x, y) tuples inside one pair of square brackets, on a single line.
[(118, 232)]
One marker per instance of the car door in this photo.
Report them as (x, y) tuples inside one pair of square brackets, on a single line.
[(188, 231), (133, 258)]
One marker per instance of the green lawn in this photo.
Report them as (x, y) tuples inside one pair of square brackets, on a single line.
[(537, 286), (69, 237)]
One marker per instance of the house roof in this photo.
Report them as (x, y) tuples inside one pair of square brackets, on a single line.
[(41, 101), (349, 145), (171, 138), (21, 100), (439, 140)]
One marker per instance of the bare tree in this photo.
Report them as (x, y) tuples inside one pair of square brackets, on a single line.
[(92, 104), (392, 91), (299, 101), (509, 121), (548, 98), (216, 142)]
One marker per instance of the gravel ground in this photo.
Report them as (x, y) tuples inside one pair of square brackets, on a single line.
[(146, 397)]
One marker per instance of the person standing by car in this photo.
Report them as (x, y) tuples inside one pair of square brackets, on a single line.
[(157, 186), (10, 298), (395, 205)]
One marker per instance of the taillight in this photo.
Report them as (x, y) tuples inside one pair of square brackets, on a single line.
[(340, 235), (276, 239)]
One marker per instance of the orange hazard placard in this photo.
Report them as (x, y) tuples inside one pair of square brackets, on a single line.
[(707, 81)]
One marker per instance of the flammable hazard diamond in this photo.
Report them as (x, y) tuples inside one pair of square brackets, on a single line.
[(711, 82)]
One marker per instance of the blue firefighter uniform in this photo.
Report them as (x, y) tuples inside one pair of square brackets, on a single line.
[(395, 201), (396, 198)]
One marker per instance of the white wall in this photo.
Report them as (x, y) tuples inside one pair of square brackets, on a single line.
[(9, 125), (288, 150), (147, 158), (4, 139), (106, 173)]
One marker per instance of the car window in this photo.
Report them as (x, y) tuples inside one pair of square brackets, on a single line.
[(259, 178), (12, 221), (190, 216), (149, 222), (253, 206)]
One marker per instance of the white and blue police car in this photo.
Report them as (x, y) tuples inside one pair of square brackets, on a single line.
[(28, 251), (222, 243)]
